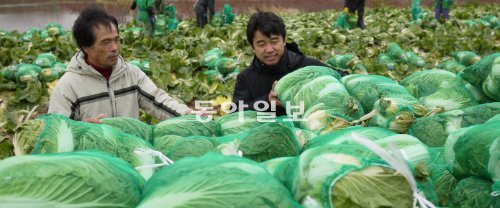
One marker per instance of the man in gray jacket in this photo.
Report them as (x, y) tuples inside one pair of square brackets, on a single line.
[(99, 83)]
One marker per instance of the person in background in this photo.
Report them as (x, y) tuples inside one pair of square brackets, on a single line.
[(145, 13), (442, 9), (201, 7), (98, 82), (351, 6), (273, 59)]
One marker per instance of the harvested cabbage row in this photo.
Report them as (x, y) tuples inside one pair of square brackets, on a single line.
[(72, 179), (325, 101), (268, 141), (346, 175), (439, 89), (215, 181), (237, 122), (434, 130), (56, 133), (395, 107), (485, 75), (473, 192), (474, 151), (131, 126), (187, 125)]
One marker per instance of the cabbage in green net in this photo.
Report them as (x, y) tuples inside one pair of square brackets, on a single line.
[(433, 130), (215, 181), (72, 179)]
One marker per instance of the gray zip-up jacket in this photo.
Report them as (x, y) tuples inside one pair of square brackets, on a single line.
[(82, 92)]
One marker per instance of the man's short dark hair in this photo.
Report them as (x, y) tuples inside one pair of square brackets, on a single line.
[(90, 18), (267, 23)]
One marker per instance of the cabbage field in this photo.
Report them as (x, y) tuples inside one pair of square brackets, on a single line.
[(416, 123)]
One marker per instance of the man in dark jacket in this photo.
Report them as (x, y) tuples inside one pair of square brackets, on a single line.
[(352, 6), (273, 59), (201, 7)]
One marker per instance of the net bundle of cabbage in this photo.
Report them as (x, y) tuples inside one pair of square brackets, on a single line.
[(443, 180), (345, 175), (397, 54), (475, 151), (237, 122), (348, 63), (434, 130), (439, 89), (327, 105), (54, 133), (474, 192), (268, 141), (395, 107), (187, 125), (485, 75), (413, 149), (131, 126), (215, 180), (466, 58), (451, 66), (72, 179)]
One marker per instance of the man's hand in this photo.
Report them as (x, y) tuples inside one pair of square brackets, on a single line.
[(96, 120), (273, 96), (346, 10)]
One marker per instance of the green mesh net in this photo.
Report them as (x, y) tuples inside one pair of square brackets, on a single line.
[(55, 133), (395, 107), (473, 151), (237, 122), (215, 181), (473, 192), (451, 66), (72, 179), (345, 175), (434, 130), (485, 75), (131, 126), (466, 58), (439, 89), (325, 103)]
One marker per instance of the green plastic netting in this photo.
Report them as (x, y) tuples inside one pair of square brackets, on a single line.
[(395, 107), (131, 126), (473, 151), (215, 181), (72, 179), (237, 122), (439, 89), (473, 192), (55, 133), (187, 125), (485, 75), (345, 176), (434, 130), (466, 58)]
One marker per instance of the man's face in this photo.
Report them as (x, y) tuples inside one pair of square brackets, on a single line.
[(104, 51), (268, 49)]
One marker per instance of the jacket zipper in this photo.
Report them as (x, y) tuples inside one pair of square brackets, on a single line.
[(111, 99)]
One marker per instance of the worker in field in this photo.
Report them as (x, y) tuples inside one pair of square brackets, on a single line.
[(201, 8), (274, 58), (353, 6), (442, 9), (98, 83), (146, 13)]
